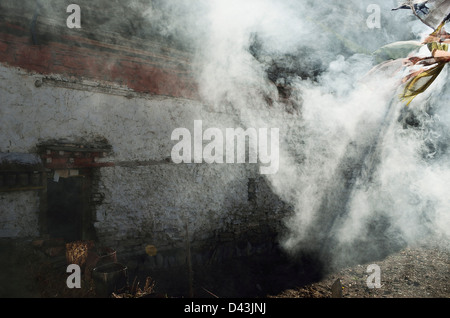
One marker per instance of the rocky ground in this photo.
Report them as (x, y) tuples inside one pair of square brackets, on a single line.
[(414, 272)]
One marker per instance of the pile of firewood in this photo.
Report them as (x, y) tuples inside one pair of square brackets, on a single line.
[(77, 252), (135, 291)]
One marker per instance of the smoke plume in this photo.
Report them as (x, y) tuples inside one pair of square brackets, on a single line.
[(365, 175)]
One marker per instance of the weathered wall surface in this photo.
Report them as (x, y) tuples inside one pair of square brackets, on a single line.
[(147, 200), (154, 205), (139, 127), (83, 87), (19, 214), (39, 41)]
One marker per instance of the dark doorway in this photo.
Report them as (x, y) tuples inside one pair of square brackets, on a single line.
[(66, 206)]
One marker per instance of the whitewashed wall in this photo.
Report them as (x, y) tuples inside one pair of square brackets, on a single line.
[(143, 204), (19, 214)]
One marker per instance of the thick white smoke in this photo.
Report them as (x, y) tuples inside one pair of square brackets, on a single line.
[(363, 175)]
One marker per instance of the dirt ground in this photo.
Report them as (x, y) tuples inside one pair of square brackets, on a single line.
[(414, 272)]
